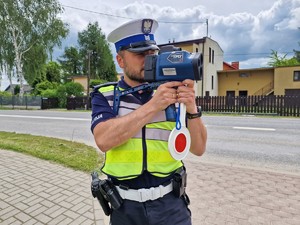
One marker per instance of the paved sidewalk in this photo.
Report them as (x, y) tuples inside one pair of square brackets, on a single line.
[(34, 191)]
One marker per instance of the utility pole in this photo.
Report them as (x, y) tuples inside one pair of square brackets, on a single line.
[(206, 27), (88, 80)]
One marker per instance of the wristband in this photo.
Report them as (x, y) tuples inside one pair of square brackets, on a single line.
[(195, 115)]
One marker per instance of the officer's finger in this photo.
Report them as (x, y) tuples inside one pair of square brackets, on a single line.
[(172, 84), (188, 83)]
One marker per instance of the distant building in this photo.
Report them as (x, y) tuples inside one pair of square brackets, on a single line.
[(232, 66), (260, 81), (81, 79), (11, 88), (212, 62)]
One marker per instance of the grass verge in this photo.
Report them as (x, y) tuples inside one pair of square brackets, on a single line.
[(74, 155)]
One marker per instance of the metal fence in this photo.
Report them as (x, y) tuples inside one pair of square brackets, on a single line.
[(78, 103), (280, 105), (25, 102)]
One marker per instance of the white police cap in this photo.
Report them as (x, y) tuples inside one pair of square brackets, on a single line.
[(135, 36)]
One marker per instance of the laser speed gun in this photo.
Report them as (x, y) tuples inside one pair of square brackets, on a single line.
[(172, 64)]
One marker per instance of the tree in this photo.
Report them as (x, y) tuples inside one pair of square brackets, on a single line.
[(297, 53), (26, 24), (94, 47), (71, 62), (53, 73), (277, 60), (34, 64), (44, 85)]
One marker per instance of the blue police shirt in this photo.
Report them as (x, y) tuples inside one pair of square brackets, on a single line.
[(101, 111)]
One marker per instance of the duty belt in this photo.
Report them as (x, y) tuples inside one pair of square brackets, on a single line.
[(145, 194)]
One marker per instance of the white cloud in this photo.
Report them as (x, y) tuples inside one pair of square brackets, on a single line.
[(243, 35)]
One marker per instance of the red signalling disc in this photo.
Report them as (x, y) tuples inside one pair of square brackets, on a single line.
[(180, 142)]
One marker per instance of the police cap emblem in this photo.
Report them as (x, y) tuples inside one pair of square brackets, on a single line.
[(147, 26)]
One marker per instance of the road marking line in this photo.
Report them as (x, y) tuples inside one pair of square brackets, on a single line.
[(44, 117), (254, 128)]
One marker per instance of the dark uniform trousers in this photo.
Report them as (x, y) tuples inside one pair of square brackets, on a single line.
[(168, 210)]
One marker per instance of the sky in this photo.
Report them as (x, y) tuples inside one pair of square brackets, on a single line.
[(246, 31)]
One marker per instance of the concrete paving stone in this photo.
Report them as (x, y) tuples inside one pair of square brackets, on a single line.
[(47, 203), (56, 213), (292, 222), (66, 221), (66, 204), (38, 211), (32, 221), (10, 220), (219, 194), (291, 210), (3, 204), (71, 214), (57, 220), (43, 218), (21, 206), (51, 211), (76, 199), (82, 209), (6, 211), (22, 217), (82, 220)]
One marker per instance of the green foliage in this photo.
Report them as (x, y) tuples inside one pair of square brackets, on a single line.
[(71, 62), (74, 89), (95, 50), (297, 53), (96, 82), (5, 94), (49, 93), (29, 30), (44, 86), (53, 72), (34, 64), (17, 90), (66, 90), (68, 153), (277, 60)]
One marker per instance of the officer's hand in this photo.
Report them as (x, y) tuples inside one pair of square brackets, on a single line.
[(186, 94), (165, 95)]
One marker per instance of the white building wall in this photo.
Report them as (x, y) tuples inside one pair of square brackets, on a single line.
[(212, 62)]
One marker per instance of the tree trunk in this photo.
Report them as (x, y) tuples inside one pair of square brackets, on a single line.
[(18, 61)]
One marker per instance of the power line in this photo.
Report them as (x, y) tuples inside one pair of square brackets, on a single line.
[(124, 17), (255, 53)]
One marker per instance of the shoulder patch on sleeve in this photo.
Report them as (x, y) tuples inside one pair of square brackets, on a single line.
[(102, 87)]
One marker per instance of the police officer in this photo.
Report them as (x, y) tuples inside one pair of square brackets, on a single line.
[(135, 141)]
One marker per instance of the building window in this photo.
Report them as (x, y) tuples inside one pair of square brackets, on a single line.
[(211, 55), (212, 82), (197, 50), (244, 74), (296, 75)]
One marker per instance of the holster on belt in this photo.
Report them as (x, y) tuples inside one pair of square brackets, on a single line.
[(106, 193), (179, 184)]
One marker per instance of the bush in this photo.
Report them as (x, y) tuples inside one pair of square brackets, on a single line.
[(5, 94), (44, 86), (74, 89), (66, 90), (49, 93), (94, 83)]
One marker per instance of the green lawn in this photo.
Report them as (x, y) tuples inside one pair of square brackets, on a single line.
[(70, 154)]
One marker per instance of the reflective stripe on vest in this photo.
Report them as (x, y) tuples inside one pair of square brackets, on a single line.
[(127, 160)]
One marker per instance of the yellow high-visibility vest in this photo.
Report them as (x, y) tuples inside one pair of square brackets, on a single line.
[(147, 150)]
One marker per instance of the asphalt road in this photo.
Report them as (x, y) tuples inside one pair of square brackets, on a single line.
[(261, 142)]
